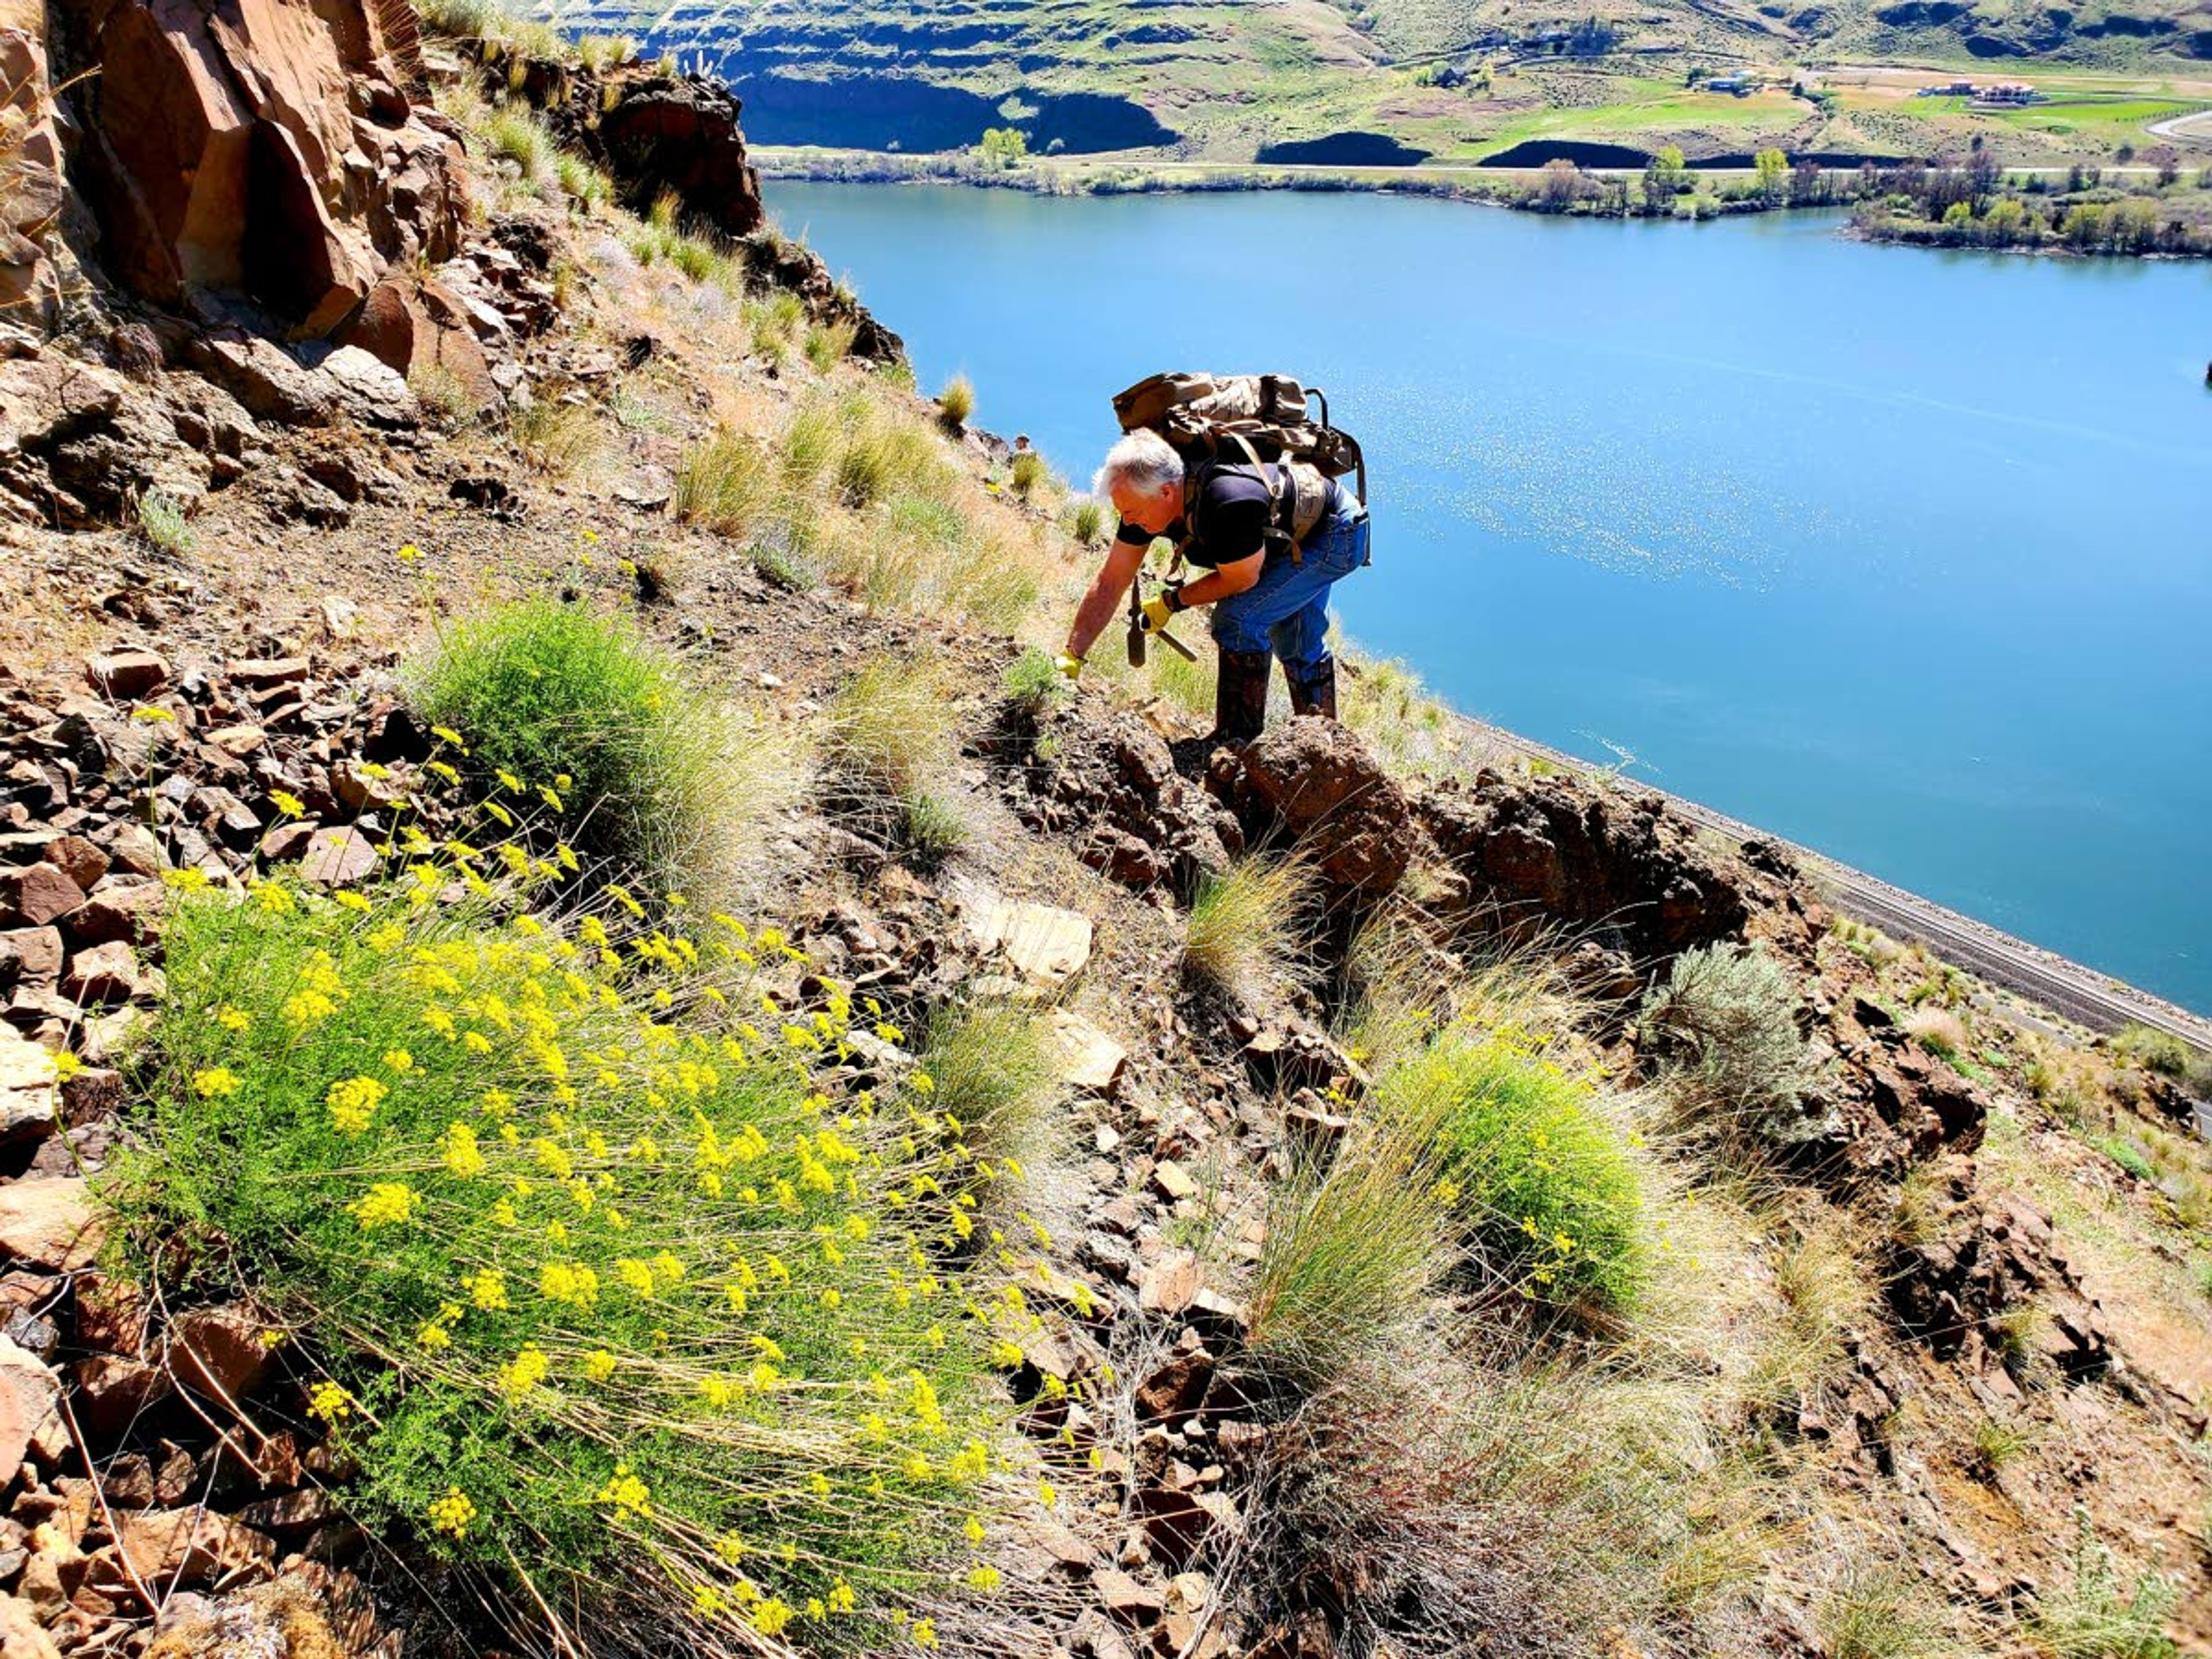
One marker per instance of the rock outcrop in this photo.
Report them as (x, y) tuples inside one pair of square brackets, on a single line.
[(30, 189), (1611, 863), (263, 147)]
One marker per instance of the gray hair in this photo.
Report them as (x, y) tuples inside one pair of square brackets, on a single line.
[(1143, 460)]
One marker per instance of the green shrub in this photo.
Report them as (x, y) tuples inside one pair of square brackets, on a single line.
[(597, 1285), (721, 482), (2128, 1156), (957, 401), (2095, 1617), (2189, 1068), (560, 698), (1733, 1015), (1551, 1201), (161, 521), (1027, 473), (1033, 682), (584, 185)]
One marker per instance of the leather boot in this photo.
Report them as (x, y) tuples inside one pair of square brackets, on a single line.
[(1313, 688), (1240, 695)]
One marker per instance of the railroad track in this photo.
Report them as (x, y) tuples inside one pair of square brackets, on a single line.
[(2067, 988)]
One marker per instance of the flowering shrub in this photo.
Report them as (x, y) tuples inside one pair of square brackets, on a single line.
[(1544, 1186), (607, 1269)]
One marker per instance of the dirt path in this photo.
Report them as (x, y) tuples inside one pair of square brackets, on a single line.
[(2066, 988)]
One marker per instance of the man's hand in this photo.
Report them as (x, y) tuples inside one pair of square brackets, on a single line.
[(1069, 664), (1161, 607)]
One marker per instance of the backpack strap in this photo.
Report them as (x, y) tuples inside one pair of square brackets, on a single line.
[(1282, 499)]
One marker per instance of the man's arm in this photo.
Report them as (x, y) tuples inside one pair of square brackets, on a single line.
[(1112, 580), (1225, 583)]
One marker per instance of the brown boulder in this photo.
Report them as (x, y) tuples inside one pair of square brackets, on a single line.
[(223, 151), (36, 894), (419, 328), (1321, 781), (113, 1391), (680, 133), (31, 200), (179, 1549), (27, 1087), (103, 974)]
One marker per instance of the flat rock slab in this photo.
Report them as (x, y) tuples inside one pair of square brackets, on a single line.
[(1046, 945), (27, 1086), (53, 1224)]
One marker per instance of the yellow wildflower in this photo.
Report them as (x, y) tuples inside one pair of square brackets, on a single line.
[(218, 1083), (385, 1203), (452, 1513)]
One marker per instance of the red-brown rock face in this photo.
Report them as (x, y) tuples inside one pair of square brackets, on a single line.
[(255, 145)]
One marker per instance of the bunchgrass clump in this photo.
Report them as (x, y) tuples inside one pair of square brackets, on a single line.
[(162, 521), (515, 136), (557, 438), (604, 1279), (957, 401), (1027, 472), (1349, 1256), (996, 1068), (1249, 926), (1541, 1181), (559, 698), (722, 482), (829, 344), (1877, 1611), (1086, 521), (888, 744), (2099, 1614)]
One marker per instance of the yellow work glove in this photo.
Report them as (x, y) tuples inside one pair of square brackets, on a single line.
[(1069, 664), (1158, 608)]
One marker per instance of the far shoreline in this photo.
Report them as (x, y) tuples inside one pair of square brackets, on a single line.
[(1511, 188)]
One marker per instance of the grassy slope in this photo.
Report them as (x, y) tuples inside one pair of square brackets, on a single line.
[(1230, 77)]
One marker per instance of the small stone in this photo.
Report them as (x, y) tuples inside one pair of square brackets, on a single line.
[(1174, 1180), (50, 1224), (1168, 1284), (1090, 1059), (338, 858), (109, 973), (38, 954), (358, 788), (121, 911), (287, 841), (127, 675), (27, 1087), (112, 1391), (276, 671), (218, 1351), (1124, 1597), (341, 616), (77, 859), (21, 1637), (134, 848), (28, 1389), (1106, 1138), (238, 741), (35, 894)]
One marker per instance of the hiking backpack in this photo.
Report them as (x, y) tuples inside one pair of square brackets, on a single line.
[(1259, 418)]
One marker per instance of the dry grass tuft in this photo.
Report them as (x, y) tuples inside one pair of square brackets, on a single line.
[(1249, 929)]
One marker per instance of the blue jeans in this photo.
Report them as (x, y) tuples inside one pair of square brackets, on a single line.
[(1287, 609)]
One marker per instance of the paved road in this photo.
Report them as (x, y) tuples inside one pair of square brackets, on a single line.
[(2067, 988), (2196, 125)]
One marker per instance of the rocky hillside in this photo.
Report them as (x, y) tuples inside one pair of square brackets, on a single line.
[(600, 1059), (1392, 81)]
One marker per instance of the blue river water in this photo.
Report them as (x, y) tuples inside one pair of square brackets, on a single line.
[(1905, 556)]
